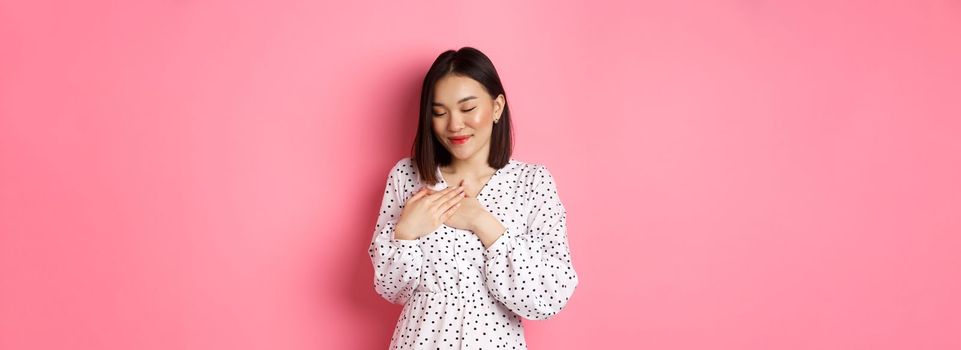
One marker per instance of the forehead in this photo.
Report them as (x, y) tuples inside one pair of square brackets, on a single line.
[(451, 88)]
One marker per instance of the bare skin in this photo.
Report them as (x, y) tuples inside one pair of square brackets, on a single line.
[(462, 107), (426, 210)]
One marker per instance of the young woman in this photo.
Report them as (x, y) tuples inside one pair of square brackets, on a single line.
[(469, 239)]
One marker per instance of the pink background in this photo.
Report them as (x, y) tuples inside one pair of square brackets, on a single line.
[(738, 174)]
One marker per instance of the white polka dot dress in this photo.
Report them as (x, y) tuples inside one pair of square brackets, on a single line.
[(459, 295)]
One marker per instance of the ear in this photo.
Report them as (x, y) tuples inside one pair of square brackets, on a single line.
[(499, 106)]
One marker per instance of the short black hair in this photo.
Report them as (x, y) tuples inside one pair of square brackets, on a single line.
[(427, 152)]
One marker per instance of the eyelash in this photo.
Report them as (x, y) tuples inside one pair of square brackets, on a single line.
[(437, 115)]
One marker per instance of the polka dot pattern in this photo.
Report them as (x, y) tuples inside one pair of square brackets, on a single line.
[(459, 295)]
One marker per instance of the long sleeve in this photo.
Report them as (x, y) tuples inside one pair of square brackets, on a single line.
[(397, 262), (531, 272)]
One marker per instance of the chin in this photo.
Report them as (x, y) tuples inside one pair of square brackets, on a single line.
[(460, 155)]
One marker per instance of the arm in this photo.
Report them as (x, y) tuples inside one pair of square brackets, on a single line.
[(531, 272), (397, 262)]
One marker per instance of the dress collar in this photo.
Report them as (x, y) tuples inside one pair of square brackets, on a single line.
[(442, 184)]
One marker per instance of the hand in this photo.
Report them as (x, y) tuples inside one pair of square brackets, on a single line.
[(472, 216), (470, 211), (426, 210)]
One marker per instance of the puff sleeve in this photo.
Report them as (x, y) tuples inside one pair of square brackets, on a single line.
[(397, 262), (531, 272)]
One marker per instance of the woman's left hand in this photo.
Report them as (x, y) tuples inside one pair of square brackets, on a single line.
[(472, 216), (470, 211), (468, 214)]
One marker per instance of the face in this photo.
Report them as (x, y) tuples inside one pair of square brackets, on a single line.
[(463, 108)]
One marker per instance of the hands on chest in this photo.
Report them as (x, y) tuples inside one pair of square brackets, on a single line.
[(454, 206), (469, 209)]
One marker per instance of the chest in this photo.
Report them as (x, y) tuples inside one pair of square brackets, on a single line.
[(472, 186), (507, 198)]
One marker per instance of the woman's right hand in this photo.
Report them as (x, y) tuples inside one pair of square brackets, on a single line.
[(426, 210)]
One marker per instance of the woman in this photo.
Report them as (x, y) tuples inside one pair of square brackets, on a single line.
[(467, 238)]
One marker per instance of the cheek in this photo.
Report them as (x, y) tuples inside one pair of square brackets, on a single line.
[(481, 117)]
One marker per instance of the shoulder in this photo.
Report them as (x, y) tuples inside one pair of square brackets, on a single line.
[(403, 163), (530, 172), (403, 169), (520, 167)]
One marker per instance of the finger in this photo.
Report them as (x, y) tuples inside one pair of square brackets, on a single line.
[(450, 212), (419, 194), (448, 200), (454, 192), (440, 204), (436, 195), (452, 200)]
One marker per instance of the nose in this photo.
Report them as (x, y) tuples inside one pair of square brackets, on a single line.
[(456, 123)]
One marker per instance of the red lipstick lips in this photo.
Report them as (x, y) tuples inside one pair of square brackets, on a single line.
[(458, 140)]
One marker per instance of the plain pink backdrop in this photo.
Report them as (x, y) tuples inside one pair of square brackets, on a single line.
[(738, 174)]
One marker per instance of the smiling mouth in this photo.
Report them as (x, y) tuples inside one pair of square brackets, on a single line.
[(459, 140)]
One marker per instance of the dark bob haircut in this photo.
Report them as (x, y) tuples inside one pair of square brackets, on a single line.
[(427, 152)]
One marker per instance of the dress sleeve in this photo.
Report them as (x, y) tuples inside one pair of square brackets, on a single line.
[(397, 262), (531, 272)]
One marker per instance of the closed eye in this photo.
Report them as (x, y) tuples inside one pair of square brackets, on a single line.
[(463, 110)]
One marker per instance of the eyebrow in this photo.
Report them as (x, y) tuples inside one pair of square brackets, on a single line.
[(458, 102)]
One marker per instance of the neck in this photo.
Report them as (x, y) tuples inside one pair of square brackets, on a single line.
[(476, 166), (468, 168)]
